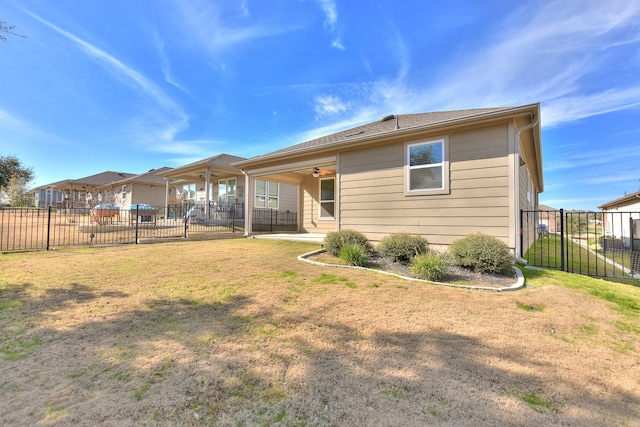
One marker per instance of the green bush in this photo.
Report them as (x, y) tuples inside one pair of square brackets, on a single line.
[(354, 254), (481, 253), (335, 240), (402, 247), (431, 266)]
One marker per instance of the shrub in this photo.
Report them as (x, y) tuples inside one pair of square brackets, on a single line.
[(335, 240), (481, 253), (402, 247), (354, 254), (431, 266)]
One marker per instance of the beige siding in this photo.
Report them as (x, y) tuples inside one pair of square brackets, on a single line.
[(373, 201), (311, 222), (288, 198), (143, 193)]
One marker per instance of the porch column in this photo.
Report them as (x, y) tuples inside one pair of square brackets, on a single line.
[(166, 195), (248, 203), (207, 179)]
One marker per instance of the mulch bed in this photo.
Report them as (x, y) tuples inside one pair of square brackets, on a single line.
[(456, 275)]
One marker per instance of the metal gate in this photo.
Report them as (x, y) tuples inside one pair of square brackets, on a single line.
[(600, 244)]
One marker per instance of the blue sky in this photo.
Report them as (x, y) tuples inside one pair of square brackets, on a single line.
[(134, 85)]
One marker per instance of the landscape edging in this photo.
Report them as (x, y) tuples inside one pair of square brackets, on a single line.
[(519, 284)]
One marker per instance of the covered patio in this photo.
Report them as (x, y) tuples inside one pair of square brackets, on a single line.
[(218, 185)]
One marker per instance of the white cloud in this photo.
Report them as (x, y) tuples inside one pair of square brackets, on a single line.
[(569, 202), (115, 66), (166, 66), (329, 105), (331, 14), (612, 177), (331, 22), (217, 28), (578, 158), (155, 128), (30, 132), (547, 57), (9, 121), (570, 108)]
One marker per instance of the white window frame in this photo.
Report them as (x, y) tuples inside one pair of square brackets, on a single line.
[(320, 201), (444, 165), (267, 195), (228, 197)]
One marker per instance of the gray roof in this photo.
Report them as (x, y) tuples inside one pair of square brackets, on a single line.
[(627, 199), (386, 125), (223, 160), (147, 177), (93, 180)]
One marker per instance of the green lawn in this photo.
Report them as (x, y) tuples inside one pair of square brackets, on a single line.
[(240, 332), (546, 252)]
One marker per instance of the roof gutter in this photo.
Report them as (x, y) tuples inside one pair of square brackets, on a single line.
[(392, 133), (533, 123)]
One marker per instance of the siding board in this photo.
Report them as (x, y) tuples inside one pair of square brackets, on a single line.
[(372, 190)]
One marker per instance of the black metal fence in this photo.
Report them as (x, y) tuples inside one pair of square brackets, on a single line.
[(600, 244), (272, 220), (44, 229)]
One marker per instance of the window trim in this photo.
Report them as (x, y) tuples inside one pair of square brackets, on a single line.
[(320, 201), (225, 182), (445, 189), (267, 194)]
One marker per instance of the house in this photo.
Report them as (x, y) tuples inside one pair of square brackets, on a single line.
[(215, 185), (441, 175), (45, 196), (548, 218), (148, 188), (83, 192), (621, 222)]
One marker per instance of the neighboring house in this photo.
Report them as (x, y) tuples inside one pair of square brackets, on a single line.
[(621, 221), (148, 188), (45, 196), (215, 180), (548, 217), (83, 192), (441, 175)]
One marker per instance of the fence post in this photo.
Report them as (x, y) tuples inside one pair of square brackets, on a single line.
[(521, 234), (271, 220), (48, 226), (562, 254), (136, 222), (186, 219), (233, 217)]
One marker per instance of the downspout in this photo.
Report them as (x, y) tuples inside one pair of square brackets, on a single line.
[(516, 166), (248, 200)]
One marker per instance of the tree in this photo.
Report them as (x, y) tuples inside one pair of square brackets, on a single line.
[(10, 166), (577, 222), (17, 191), (7, 29)]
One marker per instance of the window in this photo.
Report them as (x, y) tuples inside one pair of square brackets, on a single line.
[(327, 198), (227, 191), (266, 194), (427, 167)]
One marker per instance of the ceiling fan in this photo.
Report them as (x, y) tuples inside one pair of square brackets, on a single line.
[(317, 172)]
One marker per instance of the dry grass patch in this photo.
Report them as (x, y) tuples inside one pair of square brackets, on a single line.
[(239, 332)]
